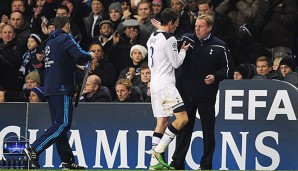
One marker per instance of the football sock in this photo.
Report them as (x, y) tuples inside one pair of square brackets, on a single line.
[(155, 140), (168, 137)]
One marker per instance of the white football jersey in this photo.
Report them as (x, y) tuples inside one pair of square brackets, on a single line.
[(163, 58)]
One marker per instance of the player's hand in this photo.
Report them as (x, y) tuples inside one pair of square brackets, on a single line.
[(185, 46), (155, 23)]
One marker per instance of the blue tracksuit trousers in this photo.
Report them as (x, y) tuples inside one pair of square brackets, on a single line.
[(61, 109)]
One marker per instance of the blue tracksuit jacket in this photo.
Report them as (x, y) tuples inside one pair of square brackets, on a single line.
[(61, 54)]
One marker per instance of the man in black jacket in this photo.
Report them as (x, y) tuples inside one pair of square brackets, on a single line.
[(93, 92), (205, 65), (11, 52), (126, 92)]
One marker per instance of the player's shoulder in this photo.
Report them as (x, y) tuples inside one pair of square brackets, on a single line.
[(161, 33)]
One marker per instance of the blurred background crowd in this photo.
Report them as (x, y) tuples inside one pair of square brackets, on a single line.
[(261, 35)]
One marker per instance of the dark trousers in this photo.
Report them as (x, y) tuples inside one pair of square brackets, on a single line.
[(61, 110), (207, 116)]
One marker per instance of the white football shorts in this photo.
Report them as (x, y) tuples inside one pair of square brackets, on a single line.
[(165, 101)]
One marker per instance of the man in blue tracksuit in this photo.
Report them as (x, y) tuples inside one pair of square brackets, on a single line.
[(61, 54)]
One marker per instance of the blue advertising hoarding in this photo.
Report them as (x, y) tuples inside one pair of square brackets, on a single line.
[(256, 129)]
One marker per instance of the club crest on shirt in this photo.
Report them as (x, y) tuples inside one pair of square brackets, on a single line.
[(47, 51), (174, 45), (211, 51)]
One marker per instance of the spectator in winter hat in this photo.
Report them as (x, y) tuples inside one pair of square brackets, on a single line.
[(115, 6), (287, 65), (32, 80), (132, 73), (32, 59), (140, 48), (115, 14), (244, 71), (37, 95), (34, 37), (106, 29)]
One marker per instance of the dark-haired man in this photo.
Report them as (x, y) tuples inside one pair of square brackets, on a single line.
[(163, 58), (61, 52)]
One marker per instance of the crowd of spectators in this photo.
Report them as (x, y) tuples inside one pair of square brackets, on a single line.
[(261, 34)]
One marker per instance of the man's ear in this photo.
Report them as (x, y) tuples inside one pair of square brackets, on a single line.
[(210, 28), (68, 26), (96, 87)]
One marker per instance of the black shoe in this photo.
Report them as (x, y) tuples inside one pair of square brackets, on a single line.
[(205, 168), (32, 156), (71, 166)]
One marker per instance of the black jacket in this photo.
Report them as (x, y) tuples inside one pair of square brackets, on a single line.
[(211, 56), (61, 55), (10, 62), (99, 96)]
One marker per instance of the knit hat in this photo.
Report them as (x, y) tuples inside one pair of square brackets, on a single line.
[(243, 70), (183, 2), (36, 37), (141, 48), (116, 6), (34, 75), (40, 93), (290, 62), (157, 2)]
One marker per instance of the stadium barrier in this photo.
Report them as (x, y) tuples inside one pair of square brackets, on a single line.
[(256, 129)]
